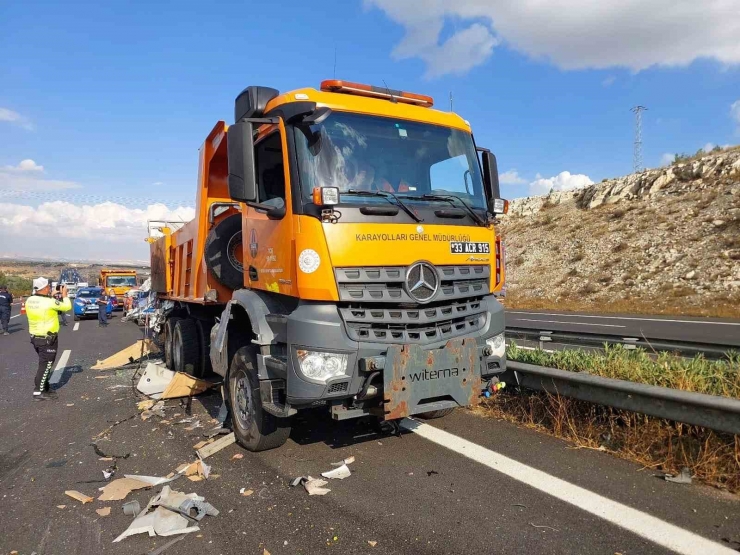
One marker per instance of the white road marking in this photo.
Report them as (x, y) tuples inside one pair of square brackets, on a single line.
[(59, 370), (644, 525), (622, 318), (571, 323), (77, 326)]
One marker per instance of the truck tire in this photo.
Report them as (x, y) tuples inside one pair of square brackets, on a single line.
[(254, 428), (223, 252), (169, 333), (431, 415), (204, 346), (185, 350)]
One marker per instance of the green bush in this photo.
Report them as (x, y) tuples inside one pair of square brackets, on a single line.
[(17, 285)]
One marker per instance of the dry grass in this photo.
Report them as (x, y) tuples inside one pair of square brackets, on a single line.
[(713, 458)]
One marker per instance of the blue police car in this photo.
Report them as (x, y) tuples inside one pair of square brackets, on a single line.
[(86, 302)]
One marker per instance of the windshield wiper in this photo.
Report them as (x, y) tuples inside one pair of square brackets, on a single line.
[(386, 195), (451, 199)]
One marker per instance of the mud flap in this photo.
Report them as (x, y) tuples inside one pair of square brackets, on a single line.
[(417, 380)]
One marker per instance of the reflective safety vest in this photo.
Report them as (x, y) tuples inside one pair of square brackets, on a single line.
[(43, 314)]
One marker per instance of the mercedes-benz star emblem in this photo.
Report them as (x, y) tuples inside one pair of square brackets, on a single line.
[(422, 282)]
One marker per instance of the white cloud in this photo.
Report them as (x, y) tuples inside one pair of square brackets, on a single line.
[(609, 81), (564, 181), (511, 177), (107, 221), (26, 165), (572, 34), (735, 113), (157, 183), (667, 159), (15, 118)]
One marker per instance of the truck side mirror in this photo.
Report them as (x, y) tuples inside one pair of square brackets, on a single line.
[(490, 174), (240, 150)]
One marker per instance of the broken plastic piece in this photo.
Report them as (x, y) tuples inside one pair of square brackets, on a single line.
[(132, 508), (683, 478), (315, 486), (338, 473), (200, 507), (348, 460)]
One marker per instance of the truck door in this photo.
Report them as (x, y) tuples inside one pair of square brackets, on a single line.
[(268, 244)]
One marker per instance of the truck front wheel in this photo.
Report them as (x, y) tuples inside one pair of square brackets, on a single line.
[(254, 428)]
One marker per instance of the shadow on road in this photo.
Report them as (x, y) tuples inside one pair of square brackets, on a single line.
[(317, 426), (67, 373)]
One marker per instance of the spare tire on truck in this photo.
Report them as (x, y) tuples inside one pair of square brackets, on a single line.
[(224, 254)]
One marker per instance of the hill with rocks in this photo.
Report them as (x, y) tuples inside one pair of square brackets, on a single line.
[(664, 240)]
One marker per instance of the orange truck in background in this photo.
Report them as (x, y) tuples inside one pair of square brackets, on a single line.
[(343, 256), (120, 281)]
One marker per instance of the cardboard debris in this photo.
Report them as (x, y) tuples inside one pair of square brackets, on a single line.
[(155, 410), (372, 543), (195, 478), (216, 446), (183, 385), (128, 355), (246, 492), (339, 473), (149, 480), (81, 497), (162, 516), (105, 511), (146, 404), (120, 488), (188, 469)]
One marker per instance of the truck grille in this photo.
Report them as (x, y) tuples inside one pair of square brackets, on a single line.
[(455, 309), (386, 284)]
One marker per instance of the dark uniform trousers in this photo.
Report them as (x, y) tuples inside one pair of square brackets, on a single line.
[(4, 318), (46, 348)]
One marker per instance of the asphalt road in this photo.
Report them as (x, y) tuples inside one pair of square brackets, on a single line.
[(465, 484), (710, 331)]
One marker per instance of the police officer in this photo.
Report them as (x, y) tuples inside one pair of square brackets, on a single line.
[(103, 308), (6, 300), (43, 323)]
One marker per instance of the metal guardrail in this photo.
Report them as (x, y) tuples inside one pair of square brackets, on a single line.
[(544, 337), (710, 411)]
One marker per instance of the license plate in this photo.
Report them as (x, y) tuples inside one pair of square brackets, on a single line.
[(459, 247)]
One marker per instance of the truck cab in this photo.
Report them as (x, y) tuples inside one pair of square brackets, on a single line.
[(344, 255)]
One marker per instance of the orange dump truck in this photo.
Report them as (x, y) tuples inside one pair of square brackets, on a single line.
[(120, 281), (343, 255)]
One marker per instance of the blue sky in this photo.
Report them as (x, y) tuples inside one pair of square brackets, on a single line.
[(115, 99)]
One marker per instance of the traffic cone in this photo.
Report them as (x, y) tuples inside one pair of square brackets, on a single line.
[(23, 307)]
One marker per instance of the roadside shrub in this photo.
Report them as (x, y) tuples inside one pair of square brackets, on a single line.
[(16, 285)]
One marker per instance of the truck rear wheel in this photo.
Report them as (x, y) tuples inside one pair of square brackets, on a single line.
[(224, 253), (204, 347), (185, 351), (432, 414), (254, 428), (169, 333)]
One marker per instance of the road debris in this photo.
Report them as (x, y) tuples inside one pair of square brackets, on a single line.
[(683, 478), (339, 473), (168, 513), (105, 457), (132, 508), (216, 446), (151, 480), (246, 492), (108, 473), (543, 526), (105, 511), (372, 543), (315, 486), (203, 443), (131, 354), (195, 478), (61, 506), (348, 460), (81, 497), (146, 404), (431, 472), (155, 410), (237, 456), (117, 490)]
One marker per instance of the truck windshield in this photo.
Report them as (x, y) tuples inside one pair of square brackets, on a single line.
[(370, 153), (120, 281)]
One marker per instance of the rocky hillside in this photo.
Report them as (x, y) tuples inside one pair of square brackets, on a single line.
[(661, 241)]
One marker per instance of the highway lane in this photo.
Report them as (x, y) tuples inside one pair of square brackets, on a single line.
[(409, 494), (696, 330)]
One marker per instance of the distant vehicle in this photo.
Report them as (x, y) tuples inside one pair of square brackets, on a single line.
[(86, 302), (120, 281)]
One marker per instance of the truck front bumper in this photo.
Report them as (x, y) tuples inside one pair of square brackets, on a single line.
[(415, 377)]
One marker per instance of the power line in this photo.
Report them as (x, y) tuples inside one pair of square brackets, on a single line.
[(637, 147)]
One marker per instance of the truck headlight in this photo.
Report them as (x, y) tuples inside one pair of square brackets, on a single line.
[(497, 343), (321, 366)]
